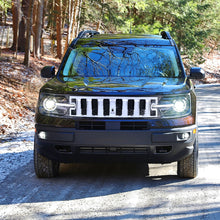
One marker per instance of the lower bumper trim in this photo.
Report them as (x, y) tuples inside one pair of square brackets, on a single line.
[(83, 145)]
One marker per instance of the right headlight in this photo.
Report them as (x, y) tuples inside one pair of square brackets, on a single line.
[(174, 106), (50, 104), (54, 105)]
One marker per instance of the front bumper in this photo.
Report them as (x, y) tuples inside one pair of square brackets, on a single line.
[(68, 145)]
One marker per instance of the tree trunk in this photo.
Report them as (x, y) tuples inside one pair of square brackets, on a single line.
[(70, 24), (43, 22), (23, 25), (38, 29), (29, 27), (58, 28), (64, 12), (75, 13), (33, 30), (16, 17), (98, 25), (21, 36), (79, 17), (19, 24)]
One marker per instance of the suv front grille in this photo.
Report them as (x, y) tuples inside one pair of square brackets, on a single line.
[(91, 125), (114, 150), (134, 126), (106, 125), (116, 107)]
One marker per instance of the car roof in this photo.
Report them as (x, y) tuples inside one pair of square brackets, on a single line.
[(124, 39), (125, 36)]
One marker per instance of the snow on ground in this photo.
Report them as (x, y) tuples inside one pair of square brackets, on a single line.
[(15, 152), (17, 99), (10, 126), (212, 68), (19, 87)]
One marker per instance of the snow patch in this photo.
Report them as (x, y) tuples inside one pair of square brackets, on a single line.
[(16, 153), (207, 85)]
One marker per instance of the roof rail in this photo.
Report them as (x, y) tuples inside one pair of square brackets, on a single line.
[(87, 34), (84, 34), (166, 35)]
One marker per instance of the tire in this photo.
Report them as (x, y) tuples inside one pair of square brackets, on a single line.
[(188, 167), (44, 168)]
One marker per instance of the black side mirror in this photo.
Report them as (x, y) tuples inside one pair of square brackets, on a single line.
[(48, 72), (196, 73)]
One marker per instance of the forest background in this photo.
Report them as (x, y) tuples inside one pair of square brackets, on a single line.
[(37, 33)]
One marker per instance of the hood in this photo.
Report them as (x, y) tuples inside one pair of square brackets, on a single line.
[(116, 85)]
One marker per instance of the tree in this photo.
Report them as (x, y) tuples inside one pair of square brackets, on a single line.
[(58, 28), (4, 5), (29, 30), (23, 25), (38, 28), (20, 13), (194, 24), (190, 22), (16, 16)]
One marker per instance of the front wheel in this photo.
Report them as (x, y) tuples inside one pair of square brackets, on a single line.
[(44, 167), (188, 167)]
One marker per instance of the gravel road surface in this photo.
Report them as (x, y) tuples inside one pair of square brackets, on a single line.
[(118, 191)]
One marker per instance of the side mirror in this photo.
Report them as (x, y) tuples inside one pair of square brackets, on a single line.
[(48, 72), (196, 73)]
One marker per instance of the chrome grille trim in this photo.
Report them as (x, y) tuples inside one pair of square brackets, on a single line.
[(127, 107)]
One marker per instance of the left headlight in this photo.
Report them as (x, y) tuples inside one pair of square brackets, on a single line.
[(174, 106), (54, 105), (180, 105)]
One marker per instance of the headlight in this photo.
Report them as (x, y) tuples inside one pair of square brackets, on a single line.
[(49, 104), (54, 105), (174, 106), (179, 105)]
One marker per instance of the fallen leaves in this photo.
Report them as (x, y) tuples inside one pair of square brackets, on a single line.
[(18, 96)]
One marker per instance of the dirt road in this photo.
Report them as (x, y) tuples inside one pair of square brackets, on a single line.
[(119, 191)]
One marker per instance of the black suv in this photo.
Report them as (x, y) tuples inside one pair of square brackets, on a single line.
[(118, 97)]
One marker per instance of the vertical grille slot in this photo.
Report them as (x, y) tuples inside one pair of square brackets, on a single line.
[(114, 106), (130, 107), (153, 112), (106, 107), (142, 107), (83, 106), (94, 107), (118, 107)]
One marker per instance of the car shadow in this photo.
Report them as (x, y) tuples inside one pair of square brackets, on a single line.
[(78, 181)]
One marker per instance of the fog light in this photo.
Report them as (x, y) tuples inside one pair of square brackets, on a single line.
[(184, 136), (42, 135)]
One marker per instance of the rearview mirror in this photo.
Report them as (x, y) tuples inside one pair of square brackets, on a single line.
[(48, 72), (196, 73)]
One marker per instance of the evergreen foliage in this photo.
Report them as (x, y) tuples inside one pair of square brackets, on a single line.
[(191, 23), (4, 5), (194, 24)]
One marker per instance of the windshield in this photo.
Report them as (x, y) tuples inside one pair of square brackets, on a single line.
[(121, 61)]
